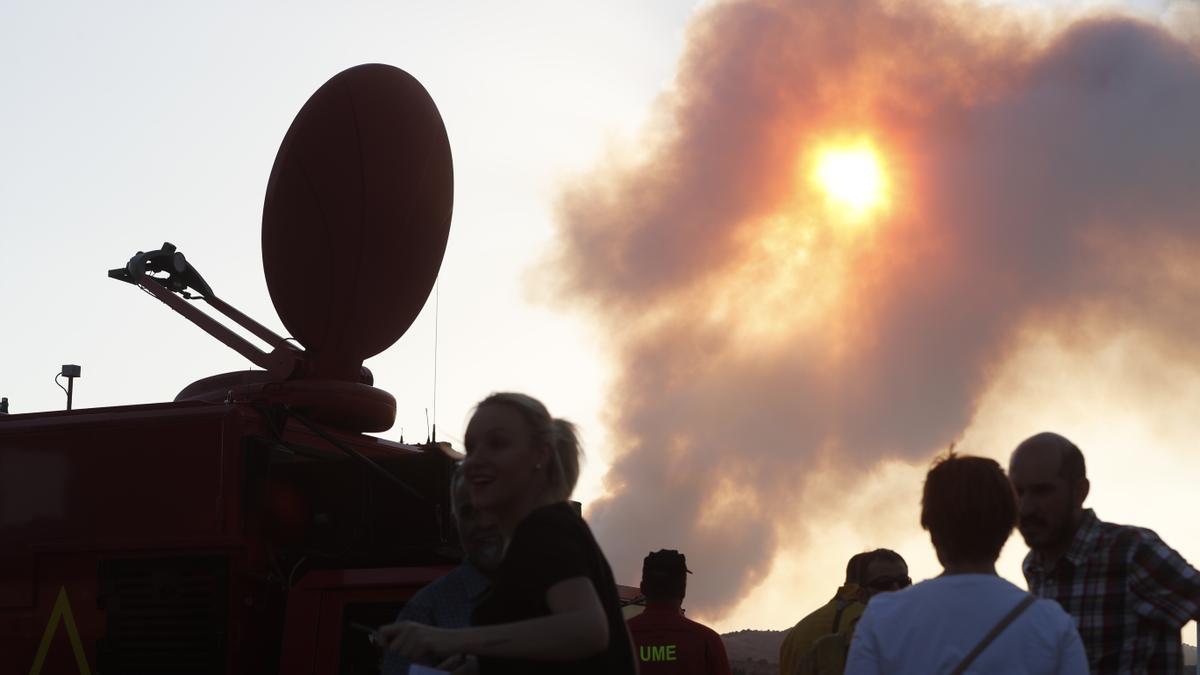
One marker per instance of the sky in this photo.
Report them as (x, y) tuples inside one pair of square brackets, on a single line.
[(636, 243)]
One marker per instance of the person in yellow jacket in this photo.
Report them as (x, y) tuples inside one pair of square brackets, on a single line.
[(866, 574)]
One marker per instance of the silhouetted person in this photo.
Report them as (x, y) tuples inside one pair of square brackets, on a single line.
[(553, 605), (840, 612), (967, 616), (449, 601), (666, 642), (885, 571), (1129, 592), (867, 574)]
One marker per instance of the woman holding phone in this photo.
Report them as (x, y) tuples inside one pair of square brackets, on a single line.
[(553, 605)]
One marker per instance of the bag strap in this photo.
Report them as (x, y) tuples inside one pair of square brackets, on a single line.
[(837, 618), (993, 634)]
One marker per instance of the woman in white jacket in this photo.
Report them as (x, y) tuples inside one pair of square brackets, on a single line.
[(968, 619)]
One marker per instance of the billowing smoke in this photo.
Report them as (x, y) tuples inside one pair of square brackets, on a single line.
[(1035, 178)]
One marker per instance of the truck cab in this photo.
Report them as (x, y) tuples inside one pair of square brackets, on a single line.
[(198, 537)]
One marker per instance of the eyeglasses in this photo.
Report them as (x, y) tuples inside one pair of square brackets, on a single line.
[(889, 583)]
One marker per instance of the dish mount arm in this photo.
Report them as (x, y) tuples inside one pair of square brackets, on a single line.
[(282, 362)]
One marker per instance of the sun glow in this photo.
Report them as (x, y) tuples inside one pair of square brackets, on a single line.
[(852, 177)]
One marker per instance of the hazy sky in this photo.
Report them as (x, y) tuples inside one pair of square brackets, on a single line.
[(124, 128), (124, 125), (784, 373)]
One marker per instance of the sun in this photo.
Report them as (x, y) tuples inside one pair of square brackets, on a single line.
[(852, 177)]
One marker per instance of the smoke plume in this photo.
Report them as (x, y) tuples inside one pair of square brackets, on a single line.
[(1035, 178)]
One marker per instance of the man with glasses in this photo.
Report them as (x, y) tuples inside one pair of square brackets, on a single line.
[(886, 571), (818, 642), (447, 602)]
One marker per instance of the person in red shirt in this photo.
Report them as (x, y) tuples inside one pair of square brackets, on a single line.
[(665, 641)]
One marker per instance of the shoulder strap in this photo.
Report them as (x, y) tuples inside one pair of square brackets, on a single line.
[(837, 618), (993, 634)]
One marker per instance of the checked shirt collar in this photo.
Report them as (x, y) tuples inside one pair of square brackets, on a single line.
[(1087, 535)]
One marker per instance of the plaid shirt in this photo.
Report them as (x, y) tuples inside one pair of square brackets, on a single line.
[(1129, 594)]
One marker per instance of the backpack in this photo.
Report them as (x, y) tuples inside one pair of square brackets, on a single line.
[(827, 656)]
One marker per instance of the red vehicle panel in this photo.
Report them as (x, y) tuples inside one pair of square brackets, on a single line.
[(192, 538)]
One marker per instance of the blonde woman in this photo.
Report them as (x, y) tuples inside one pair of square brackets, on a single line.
[(553, 605)]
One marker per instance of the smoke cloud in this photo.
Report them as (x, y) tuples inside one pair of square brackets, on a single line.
[(1036, 178)]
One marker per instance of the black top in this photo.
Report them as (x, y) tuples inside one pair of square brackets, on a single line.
[(550, 545)]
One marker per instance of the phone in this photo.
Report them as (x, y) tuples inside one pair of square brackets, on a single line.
[(372, 634)]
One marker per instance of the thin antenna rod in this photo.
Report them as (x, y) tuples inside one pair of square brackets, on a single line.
[(437, 308)]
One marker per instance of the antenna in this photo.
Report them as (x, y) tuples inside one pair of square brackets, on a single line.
[(437, 303), (427, 436), (69, 371)]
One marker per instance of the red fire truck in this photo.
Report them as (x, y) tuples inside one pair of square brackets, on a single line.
[(252, 525)]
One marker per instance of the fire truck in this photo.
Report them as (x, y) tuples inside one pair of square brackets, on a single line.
[(253, 525)]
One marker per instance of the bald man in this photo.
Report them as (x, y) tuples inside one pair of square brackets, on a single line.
[(448, 602), (1129, 593)]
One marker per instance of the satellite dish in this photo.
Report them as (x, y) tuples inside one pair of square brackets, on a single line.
[(356, 217), (355, 223)]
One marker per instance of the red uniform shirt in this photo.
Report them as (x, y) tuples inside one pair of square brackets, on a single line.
[(668, 643)]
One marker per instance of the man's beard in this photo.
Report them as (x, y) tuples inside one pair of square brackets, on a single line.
[(1050, 537)]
